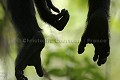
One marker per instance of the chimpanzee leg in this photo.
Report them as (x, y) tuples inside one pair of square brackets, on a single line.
[(30, 51)]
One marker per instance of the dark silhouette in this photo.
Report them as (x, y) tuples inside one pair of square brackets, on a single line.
[(23, 17), (97, 30)]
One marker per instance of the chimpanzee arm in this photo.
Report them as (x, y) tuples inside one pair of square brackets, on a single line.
[(58, 21), (51, 6), (23, 17), (97, 30)]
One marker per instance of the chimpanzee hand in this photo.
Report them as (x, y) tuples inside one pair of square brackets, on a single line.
[(97, 34), (60, 20)]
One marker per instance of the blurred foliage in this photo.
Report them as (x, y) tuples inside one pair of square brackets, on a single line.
[(63, 63)]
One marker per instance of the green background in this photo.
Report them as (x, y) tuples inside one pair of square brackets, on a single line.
[(59, 57)]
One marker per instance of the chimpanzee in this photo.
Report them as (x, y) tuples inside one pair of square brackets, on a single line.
[(22, 14), (97, 30)]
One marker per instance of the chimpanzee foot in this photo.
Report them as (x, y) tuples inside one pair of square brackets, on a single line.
[(20, 75)]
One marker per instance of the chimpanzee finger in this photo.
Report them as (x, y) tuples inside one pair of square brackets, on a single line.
[(63, 12), (81, 46), (95, 55), (38, 67), (20, 75), (102, 50), (103, 57), (101, 61), (55, 9), (51, 6), (39, 70)]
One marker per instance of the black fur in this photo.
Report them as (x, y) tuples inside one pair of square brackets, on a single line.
[(23, 17), (97, 30)]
